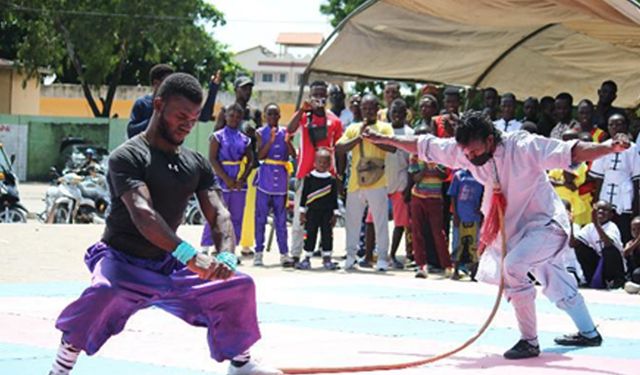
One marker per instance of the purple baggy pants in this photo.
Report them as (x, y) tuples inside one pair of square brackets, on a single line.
[(264, 203), (121, 285), (235, 201)]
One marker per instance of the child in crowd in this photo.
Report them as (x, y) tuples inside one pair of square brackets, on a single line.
[(274, 149), (599, 249), (230, 156), (426, 211), (318, 210), (632, 254), (567, 183), (466, 198), (569, 258)]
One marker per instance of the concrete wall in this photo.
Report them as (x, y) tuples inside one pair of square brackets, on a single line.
[(68, 100), (5, 91), (45, 134), (16, 99), (25, 100)]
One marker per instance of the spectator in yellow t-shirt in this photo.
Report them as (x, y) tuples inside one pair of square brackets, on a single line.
[(367, 184)]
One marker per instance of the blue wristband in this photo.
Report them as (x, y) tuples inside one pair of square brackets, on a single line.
[(228, 259), (184, 252)]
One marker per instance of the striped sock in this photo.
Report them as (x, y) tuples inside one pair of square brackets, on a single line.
[(66, 358), (241, 359)]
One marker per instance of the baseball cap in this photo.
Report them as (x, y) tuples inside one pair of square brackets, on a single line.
[(242, 81)]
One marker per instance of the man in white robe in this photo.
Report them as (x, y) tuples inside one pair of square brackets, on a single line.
[(535, 222), (617, 175)]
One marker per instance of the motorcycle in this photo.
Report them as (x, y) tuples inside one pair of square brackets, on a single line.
[(74, 152), (193, 215), (11, 210), (94, 187), (65, 203)]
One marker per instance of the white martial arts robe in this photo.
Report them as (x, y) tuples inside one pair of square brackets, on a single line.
[(617, 171), (536, 223)]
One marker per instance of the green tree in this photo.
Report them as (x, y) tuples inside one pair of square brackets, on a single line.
[(337, 10), (113, 42)]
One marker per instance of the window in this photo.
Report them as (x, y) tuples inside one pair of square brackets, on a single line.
[(298, 79), (267, 77), (283, 77)]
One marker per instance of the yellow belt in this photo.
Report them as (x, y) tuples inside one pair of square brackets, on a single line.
[(286, 164), (242, 163)]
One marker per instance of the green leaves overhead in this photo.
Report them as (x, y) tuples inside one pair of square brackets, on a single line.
[(112, 42)]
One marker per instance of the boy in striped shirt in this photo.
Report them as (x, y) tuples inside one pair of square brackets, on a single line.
[(426, 211), (318, 210)]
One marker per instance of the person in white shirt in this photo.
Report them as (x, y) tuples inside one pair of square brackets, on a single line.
[(337, 100), (397, 173), (599, 249), (617, 177), (536, 224), (507, 122)]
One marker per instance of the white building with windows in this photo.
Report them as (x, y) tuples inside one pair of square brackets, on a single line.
[(281, 71)]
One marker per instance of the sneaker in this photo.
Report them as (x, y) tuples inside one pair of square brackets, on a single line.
[(350, 263), (329, 265), (523, 349), (253, 368), (365, 264), (382, 265), (246, 252), (578, 339), (398, 265), (304, 265), (421, 273), (631, 287), (615, 284), (257, 260), (286, 261)]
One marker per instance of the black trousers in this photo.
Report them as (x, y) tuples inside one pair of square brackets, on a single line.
[(623, 222), (318, 219), (613, 268)]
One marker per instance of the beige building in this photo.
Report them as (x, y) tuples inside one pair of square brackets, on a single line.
[(283, 70), (18, 97)]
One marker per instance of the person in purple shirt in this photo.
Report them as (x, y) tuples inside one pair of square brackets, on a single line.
[(231, 157), (274, 149)]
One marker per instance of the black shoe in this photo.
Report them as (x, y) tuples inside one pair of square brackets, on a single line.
[(522, 350), (578, 340)]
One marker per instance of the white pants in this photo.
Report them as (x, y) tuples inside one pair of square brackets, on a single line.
[(379, 208), (297, 229), (539, 252)]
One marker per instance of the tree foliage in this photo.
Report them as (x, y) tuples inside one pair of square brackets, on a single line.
[(337, 10), (113, 42)]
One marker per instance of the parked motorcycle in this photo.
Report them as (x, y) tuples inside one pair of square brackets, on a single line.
[(66, 204), (193, 215), (11, 210), (75, 153)]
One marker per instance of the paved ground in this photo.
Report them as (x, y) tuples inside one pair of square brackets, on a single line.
[(308, 319)]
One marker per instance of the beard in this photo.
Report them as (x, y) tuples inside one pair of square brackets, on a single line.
[(164, 132)]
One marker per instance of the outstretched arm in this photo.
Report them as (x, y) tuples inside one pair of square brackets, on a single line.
[(587, 151), (207, 108), (408, 143)]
